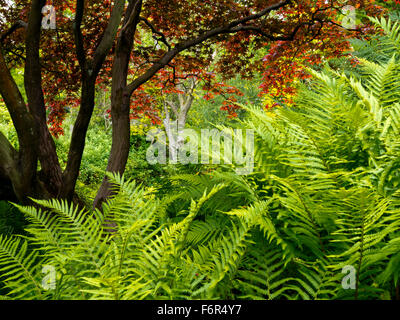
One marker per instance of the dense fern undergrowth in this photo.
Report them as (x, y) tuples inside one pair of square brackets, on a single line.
[(324, 197)]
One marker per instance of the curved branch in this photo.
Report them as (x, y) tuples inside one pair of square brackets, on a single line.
[(34, 92), (155, 31), (80, 51), (168, 56), (108, 37), (18, 25)]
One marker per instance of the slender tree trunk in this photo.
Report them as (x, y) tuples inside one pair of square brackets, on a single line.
[(77, 145), (174, 129), (19, 166), (51, 173), (118, 154), (120, 101)]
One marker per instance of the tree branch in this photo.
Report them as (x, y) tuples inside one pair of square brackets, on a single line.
[(168, 56), (258, 30), (155, 31), (133, 17), (34, 92), (173, 107), (108, 37), (80, 51), (14, 101), (18, 25), (20, 167)]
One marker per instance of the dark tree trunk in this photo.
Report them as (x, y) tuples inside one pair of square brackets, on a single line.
[(90, 70), (51, 170), (6, 189), (19, 166), (120, 101), (118, 154), (77, 146)]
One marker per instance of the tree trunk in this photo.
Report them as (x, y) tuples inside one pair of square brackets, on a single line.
[(18, 166), (51, 173), (120, 101), (77, 145), (174, 129), (118, 154)]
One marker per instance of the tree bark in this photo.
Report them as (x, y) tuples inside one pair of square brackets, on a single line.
[(18, 166), (90, 70), (180, 111), (120, 101), (78, 138), (51, 172)]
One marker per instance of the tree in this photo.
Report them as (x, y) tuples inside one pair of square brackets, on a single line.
[(168, 98), (116, 54)]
